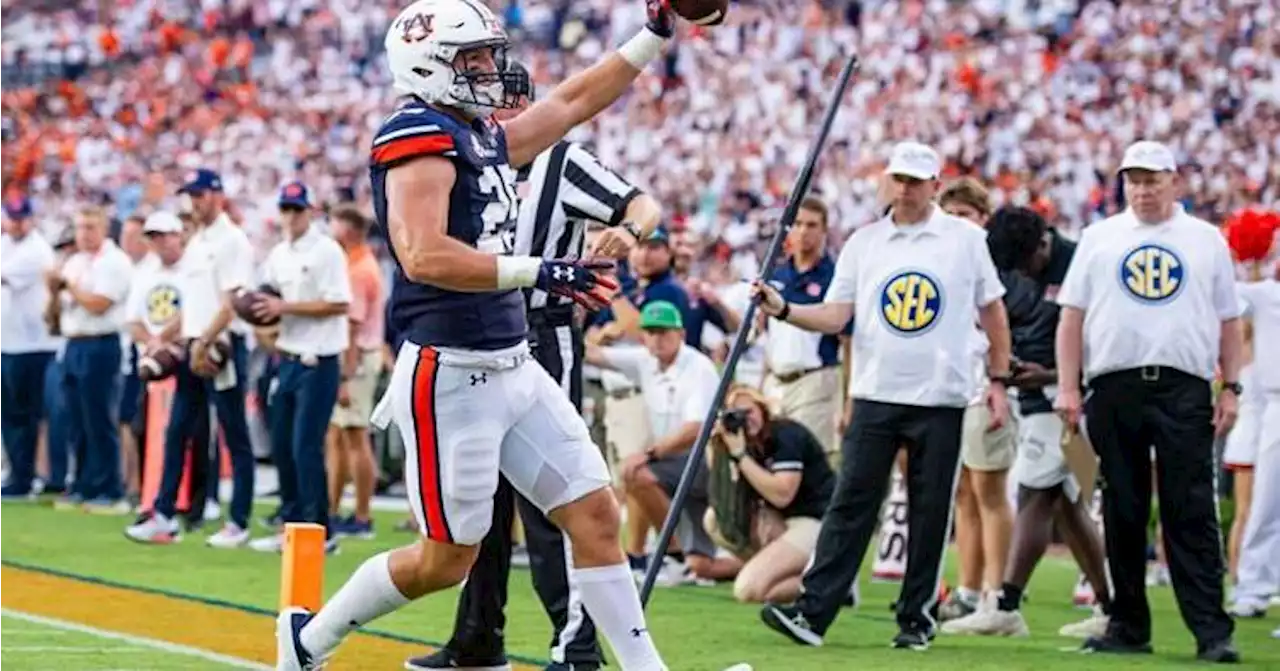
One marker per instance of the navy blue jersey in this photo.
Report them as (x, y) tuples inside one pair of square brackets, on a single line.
[(482, 214)]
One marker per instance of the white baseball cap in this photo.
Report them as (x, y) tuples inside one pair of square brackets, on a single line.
[(162, 222), (1148, 155), (914, 160)]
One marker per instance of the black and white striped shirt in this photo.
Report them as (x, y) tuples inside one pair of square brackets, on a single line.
[(565, 187)]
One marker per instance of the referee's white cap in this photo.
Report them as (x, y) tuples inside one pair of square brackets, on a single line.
[(914, 160), (1148, 155)]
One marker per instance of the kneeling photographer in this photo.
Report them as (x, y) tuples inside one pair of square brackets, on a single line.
[(769, 487)]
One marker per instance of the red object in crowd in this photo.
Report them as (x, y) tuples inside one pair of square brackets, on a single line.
[(1251, 233)]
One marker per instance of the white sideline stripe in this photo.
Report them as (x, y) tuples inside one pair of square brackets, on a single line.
[(136, 640)]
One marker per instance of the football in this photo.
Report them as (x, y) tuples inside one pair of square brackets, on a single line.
[(701, 12), (245, 299), (159, 364)]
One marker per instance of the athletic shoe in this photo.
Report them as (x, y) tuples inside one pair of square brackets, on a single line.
[(154, 530), (212, 510), (271, 543), (1222, 652), (1276, 633), (956, 607), (1247, 610), (520, 556), (912, 640), (1158, 576), (351, 527), (445, 658), (290, 655), (1093, 627), (229, 536), (1107, 644), (790, 622), (989, 622)]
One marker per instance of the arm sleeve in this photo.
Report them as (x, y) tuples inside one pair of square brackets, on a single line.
[(337, 280), (1076, 289), (844, 285), (701, 394), (113, 284), (988, 287), (1225, 299), (625, 360), (789, 444), (411, 132), (235, 264)]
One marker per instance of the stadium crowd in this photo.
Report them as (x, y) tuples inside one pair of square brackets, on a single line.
[(1036, 100)]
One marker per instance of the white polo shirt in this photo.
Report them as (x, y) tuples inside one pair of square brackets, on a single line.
[(218, 259), (1152, 294), (108, 274), (673, 397), (25, 295), (155, 299), (916, 291), (311, 268), (1262, 304)]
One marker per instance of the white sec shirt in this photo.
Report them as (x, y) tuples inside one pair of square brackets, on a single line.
[(311, 268), (1262, 304), (916, 291), (106, 273), (673, 397), (218, 258), (25, 294), (1152, 294), (155, 299)]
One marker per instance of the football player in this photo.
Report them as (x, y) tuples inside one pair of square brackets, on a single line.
[(465, 393)]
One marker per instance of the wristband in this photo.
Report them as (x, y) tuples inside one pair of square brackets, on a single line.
[(785, 311), (642, 48), (515, 272)]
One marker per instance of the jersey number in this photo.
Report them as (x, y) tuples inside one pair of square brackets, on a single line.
[(499, 216)]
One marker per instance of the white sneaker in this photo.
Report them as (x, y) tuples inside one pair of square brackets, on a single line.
[(986, 622), (1158, 576), (1276, 633), (229, 536), (1093, 627), (156, 530), (1247, 609), (1275, 601), (271, 543), (290, 655)]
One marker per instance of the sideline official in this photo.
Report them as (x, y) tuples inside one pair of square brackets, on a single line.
[(1151, 298), (918, 279), (566, 188), (26, 346), (309, 269), (93, 287)]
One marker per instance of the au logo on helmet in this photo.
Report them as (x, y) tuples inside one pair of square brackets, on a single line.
[(417, 27), (911, 302), (1152, 273)]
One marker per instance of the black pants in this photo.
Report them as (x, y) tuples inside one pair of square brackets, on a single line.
[(932, 438), (1128, 412), (557, 345)]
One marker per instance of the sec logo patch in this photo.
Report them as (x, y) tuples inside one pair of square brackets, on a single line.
[(162, 304), (1152, 273), (911, 302)]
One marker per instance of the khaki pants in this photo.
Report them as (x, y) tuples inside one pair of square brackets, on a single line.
[(813, 400), (626, 427)]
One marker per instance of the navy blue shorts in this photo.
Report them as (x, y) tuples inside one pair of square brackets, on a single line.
[(130, 398)]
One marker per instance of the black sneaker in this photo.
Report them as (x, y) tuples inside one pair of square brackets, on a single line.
[(789, 621), (1115, 646), (911, 640), (447, 659), (1222, 652)]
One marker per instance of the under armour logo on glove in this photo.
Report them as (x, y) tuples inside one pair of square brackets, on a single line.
[(580, 281)]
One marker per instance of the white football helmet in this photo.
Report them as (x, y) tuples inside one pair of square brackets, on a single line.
[(423, 43)]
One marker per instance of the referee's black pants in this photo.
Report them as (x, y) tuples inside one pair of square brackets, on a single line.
[(932, 437), (1127, 412), (478, 630)]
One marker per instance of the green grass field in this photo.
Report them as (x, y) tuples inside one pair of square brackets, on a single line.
[(698, 629)]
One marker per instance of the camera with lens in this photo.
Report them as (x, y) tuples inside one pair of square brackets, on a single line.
[(734, 420)]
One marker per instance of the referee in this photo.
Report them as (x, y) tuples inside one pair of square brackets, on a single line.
[(566, 188), (919, 279), (1151, 297)]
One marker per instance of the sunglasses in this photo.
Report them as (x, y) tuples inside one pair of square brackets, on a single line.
[(291, 208)]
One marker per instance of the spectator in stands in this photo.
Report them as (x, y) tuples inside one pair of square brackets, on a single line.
[(25, 343), (92, 287), (783, 469), (349, 451)]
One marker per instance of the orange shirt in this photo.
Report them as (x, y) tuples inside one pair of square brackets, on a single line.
[(368, 300)]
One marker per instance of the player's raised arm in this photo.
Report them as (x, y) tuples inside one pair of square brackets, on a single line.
[(587, 93)]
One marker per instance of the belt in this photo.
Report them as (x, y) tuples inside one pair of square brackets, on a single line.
[(92, 336), (551, 317), (622, 394), (788, 378), (1150, 374), (308, 360)]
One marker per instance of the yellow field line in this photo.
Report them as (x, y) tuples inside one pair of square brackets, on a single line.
[(225, 631)]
